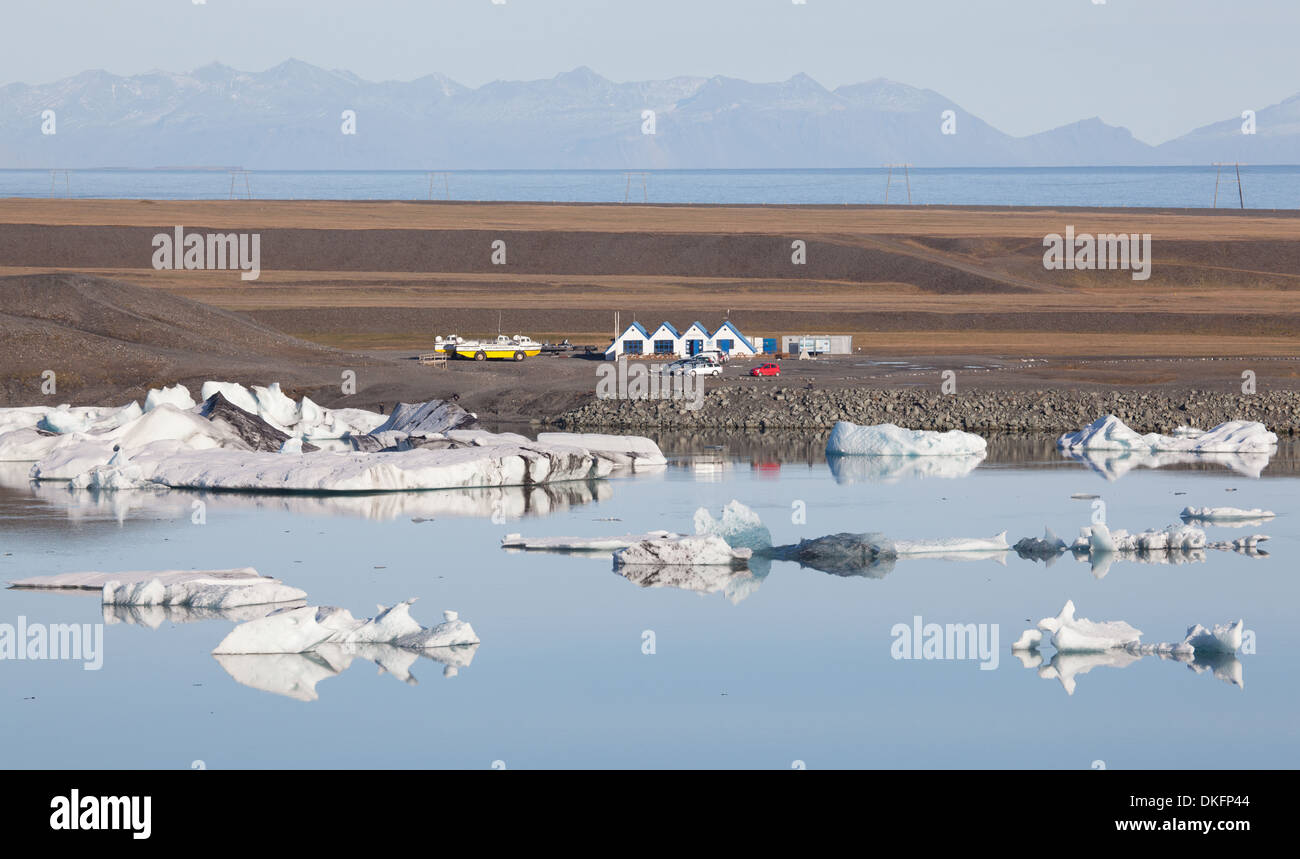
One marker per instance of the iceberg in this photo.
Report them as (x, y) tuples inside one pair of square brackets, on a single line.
[(1231, 515), (1080, 635), (301, 630), (177, 396), (849, 439), (198, 589), (1045, 548), (949, 545), (581, 545), (740, 526), (624, 451), (1110, 433), (683, 552)]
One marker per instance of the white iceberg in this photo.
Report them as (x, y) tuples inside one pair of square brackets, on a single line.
[(581, 544), (740, 526), (1080, 635), (683, 552), (177, 396), (301, 630), (199, 589), (1098, 539), (625, 451), (1110, 433), (171, 464), (957, 546), (849, 439), (1233, 515)]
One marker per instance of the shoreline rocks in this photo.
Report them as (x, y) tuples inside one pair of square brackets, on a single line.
[(976, 411)]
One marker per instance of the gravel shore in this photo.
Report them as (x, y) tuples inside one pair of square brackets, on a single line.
[(978, 411)]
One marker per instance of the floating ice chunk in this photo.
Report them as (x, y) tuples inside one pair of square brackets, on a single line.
[(305, 629), (1233, 515), (842, 554), (64, 420), (1045, 548), (95, 581), (891, 440), (1030, 639), (177, 396), (625, 451), (740, 526), (950, 545), (581, 544), (1082, 635), (1099, 539), (1223, 637), (1110, 433), (683, 552), (214, 593), (229, 469), (434, 416)]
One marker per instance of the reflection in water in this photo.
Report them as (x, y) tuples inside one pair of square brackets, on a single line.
[(295, 675), (735, 585), (154, 616), (17, 493), (1114, 464), (1065, 667), (891, 469)]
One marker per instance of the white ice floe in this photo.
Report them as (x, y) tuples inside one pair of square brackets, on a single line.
[(949, 545), (200, 589), (66, 420), (1030, 639), (1070, 634), (849, 439), (1098, 539), (581, 544), (1231, 515), (1110, 433), (740, 526), (302, 630), (625, 451), (177, 396), (683, 552), (172, 465)]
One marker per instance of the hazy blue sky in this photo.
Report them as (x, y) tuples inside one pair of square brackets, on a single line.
[(1159, 67)]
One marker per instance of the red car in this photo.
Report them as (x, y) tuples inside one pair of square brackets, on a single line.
[(765, 370)]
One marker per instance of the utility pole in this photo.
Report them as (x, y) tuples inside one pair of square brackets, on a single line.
[(645, 184), (889, 179), (1241, 194)]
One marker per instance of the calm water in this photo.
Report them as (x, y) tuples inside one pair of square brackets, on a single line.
[(793, 665), (1264, 187)]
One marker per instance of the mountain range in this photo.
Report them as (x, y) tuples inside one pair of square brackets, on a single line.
[(291, 117)]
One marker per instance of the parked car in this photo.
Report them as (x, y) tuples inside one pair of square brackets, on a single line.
[(765, 370), (692, 367)]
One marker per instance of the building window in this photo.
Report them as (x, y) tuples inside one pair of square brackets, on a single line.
[(664, 347), (725, 345), (633, 347)]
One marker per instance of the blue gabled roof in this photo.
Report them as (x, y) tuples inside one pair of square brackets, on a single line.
[(637, 326), (736, 331), (670, 327), (698, 325)]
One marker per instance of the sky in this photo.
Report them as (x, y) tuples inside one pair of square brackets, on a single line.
[(1158, 67)]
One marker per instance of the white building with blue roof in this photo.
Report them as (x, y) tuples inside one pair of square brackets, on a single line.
[(667, 342)]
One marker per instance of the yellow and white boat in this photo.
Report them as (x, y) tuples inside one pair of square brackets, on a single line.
[(515, 348)]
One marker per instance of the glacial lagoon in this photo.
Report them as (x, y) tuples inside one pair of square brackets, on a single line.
[(783, 666)]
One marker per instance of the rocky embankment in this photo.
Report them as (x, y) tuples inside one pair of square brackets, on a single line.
[(977, 411)]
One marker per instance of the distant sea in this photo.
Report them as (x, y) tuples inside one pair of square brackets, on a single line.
[(1272, 187)]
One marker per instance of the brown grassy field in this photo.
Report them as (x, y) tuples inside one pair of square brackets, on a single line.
[(902, 280)]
